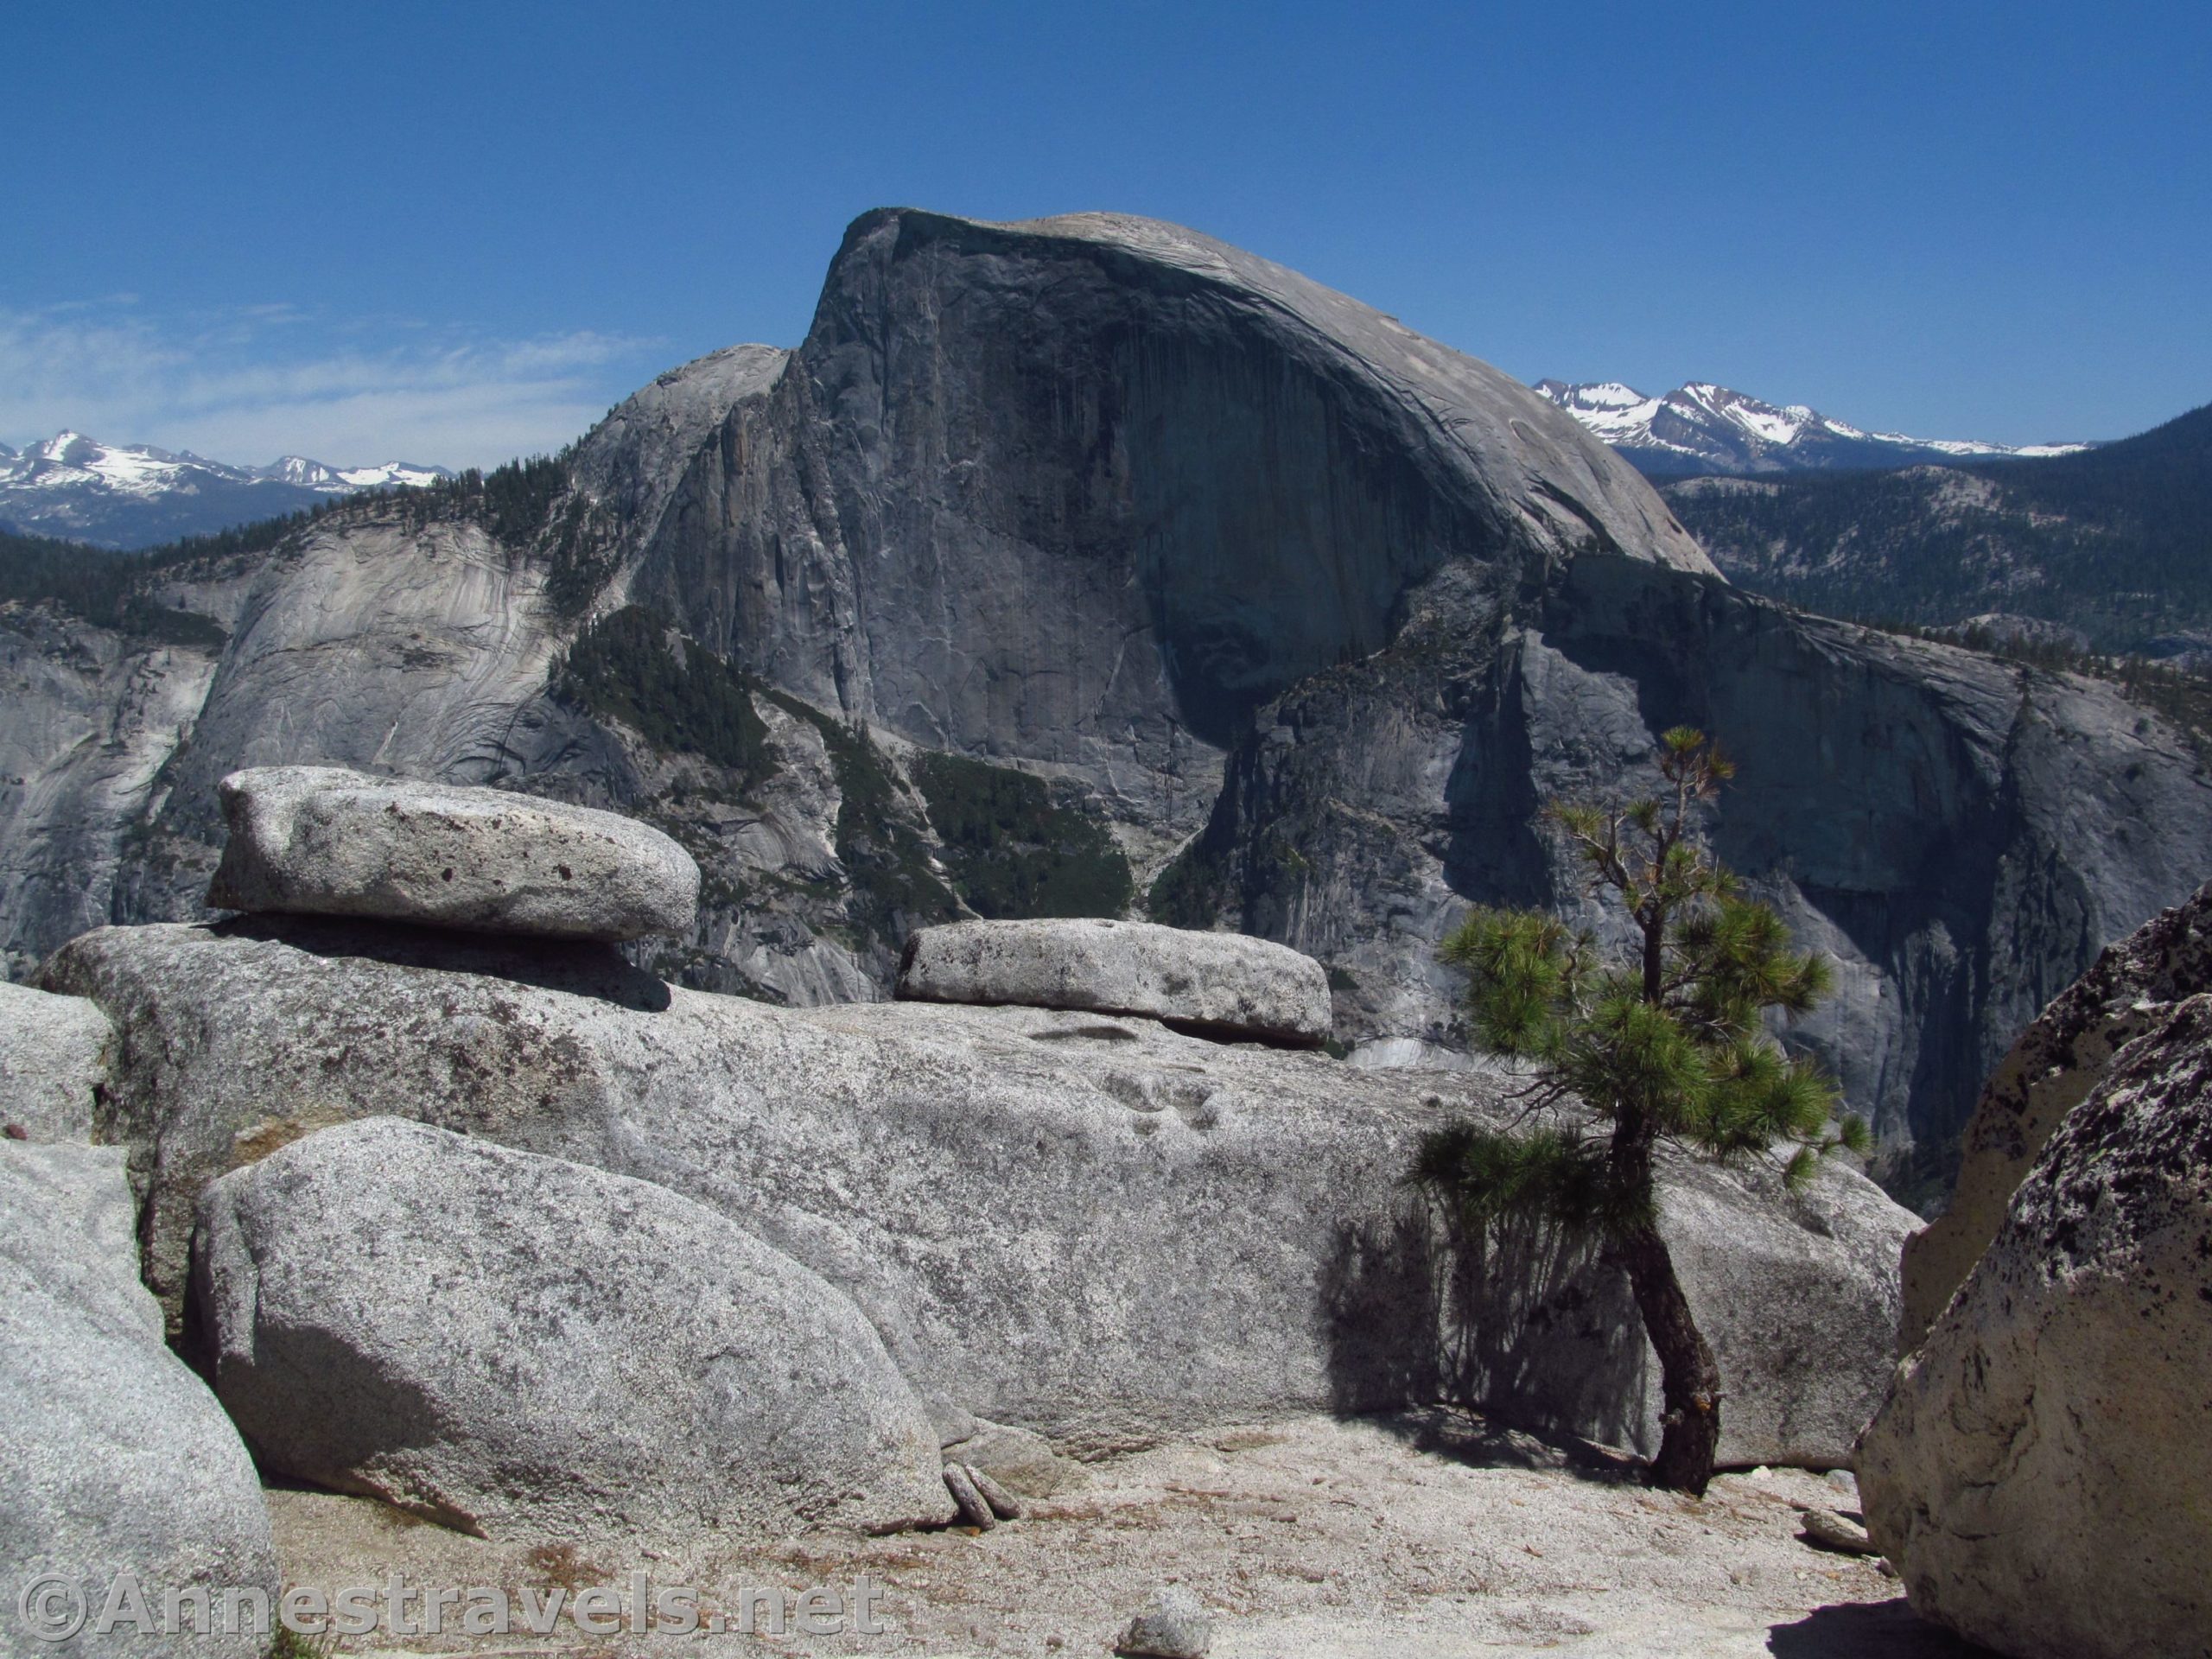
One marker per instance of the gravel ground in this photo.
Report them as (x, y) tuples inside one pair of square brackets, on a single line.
[(1417, 1536)]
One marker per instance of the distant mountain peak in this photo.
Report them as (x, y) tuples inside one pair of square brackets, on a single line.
[(135, 495), (300, 470), (338, 481), (1703, 427)]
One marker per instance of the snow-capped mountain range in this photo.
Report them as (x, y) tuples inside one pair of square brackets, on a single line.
[(1701, 427), (132, 495)]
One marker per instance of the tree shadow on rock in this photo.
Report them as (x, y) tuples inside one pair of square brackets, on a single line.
[(1516, 1320), (1543, 1332), (1378, 1298), (1868, 1629), (578, 967)]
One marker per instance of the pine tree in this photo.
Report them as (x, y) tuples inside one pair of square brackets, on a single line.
[(1666, 1043)]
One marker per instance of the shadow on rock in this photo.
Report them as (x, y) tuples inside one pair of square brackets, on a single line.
[(1871, 1630), (1517, 1321), (1378, 1298), (1539, 1331), (578, 968)]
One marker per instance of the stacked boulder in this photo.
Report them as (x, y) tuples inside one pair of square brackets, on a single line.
[(2039, 1472), (1089, 1181), (519, 1345), (323, 841), (1212, 984)]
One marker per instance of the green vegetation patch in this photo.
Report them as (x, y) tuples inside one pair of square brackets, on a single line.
[(514, 501), (580, 555), (2115, 542), (692, 703), (109, 590), (1196, 886), (1012, 851), (529, 504), (894, 889)]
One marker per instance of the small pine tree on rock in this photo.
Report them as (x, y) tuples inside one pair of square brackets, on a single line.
[(1665, 1043)]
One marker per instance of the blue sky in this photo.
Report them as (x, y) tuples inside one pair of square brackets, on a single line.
[(451, 232)]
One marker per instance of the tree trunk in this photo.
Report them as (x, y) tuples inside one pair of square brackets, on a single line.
[(1689, 1377)]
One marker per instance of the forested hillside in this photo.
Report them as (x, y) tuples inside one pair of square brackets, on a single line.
[(2114, 543)]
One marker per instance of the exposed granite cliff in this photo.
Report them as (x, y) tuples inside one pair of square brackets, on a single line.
[(1957, 831), (1082, 489), (1204, 547)]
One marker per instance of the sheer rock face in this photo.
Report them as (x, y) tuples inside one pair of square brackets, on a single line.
[(1222, 984), (2038, 1473), (89, 721), (1091, 1227), (526, 1348), (631, 461), (1085, 490), (2131, 989), (321, 841), (1960, 834), (1212, 548), (116, 1458)]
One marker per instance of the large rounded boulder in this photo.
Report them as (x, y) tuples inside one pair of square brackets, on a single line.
[(2040, 1472), (526, 1348), (2051, 1068)]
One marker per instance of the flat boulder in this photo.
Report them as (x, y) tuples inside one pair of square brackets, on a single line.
[(2056, 1061), (115, 1458), (526, 1348), (322, 840), (53, 1056), (2039, 1472), (1217, 984)]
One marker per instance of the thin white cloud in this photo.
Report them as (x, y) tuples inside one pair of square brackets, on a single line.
[(261, 380)]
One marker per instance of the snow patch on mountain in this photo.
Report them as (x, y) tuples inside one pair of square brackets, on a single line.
[(135, 495), (1705, 428), (338, 481)]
